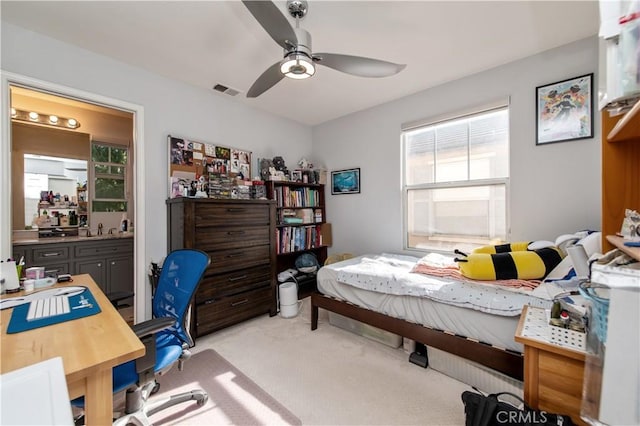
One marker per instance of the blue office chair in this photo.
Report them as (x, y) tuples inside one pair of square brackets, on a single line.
[(166, 339)]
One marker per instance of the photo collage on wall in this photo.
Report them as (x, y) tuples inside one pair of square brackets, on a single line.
[(203, 170)]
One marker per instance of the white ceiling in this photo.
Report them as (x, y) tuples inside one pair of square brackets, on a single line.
[(208, 42)]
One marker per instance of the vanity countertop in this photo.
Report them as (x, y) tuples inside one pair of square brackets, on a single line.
[(30, 240)]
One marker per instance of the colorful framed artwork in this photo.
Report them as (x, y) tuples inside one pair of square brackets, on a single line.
[(564, 110), (345, 181)]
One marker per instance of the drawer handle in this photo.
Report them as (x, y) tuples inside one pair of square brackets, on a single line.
[(51, 254), (210, 301), (232, 255), (232, 210), (240, 302), (235, 232), (232, 279)]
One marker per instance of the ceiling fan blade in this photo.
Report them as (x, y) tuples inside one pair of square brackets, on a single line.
[(266, 81), (358, 65), (273, 21)]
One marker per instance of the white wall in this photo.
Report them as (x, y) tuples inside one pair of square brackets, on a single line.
[(554, 188), (170, 107)]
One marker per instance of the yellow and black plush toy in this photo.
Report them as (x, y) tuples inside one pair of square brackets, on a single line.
[(508, 261)]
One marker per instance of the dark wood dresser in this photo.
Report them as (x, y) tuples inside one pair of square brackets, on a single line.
[(239, 235)]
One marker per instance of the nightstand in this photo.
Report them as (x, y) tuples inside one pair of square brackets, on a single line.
[(553, 374)]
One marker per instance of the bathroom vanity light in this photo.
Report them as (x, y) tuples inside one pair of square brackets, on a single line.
[(46, 119)]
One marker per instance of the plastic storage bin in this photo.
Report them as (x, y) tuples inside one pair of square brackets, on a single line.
[(599, 310)]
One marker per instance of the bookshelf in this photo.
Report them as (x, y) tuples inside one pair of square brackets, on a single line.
[(300, 217)]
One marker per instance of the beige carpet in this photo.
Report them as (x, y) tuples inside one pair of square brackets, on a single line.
[(234, 399), (333, 377)]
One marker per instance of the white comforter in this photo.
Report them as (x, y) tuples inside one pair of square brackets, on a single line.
[(391, 274)]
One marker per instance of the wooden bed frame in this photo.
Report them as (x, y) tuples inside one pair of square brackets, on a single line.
[(504, 361)]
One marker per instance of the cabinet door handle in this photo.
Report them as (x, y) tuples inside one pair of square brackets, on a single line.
[(232, 255), (113, 262), (242, 277), (51, 254), (235, 232), (239, 302)]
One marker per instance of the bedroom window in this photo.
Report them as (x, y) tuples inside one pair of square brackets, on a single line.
[(455, 176)]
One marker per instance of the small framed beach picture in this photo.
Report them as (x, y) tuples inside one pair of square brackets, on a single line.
[(345, 181), (564, 110)]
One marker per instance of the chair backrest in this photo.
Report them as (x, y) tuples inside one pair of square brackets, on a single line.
[(181, 273)]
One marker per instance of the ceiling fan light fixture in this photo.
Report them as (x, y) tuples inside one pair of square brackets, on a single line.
[(298, 66)]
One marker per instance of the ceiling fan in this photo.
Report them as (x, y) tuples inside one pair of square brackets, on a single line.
[(299, 61)]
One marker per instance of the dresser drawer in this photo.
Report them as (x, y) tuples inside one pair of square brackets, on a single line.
[(219, 238), (228, 260), (231, 214), (218, 313), (50, 254), (235, 282)]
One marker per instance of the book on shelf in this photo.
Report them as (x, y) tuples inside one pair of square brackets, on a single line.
[(292, 220), (292, 239), (286, 196)]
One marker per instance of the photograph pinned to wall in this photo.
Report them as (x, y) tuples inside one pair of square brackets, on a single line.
[(209, 150), (564, 110), (177, 146), (240, 163), (345, 181), (220, 167), (223, 153)]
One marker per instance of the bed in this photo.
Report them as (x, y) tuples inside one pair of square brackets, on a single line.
[(459, 316)]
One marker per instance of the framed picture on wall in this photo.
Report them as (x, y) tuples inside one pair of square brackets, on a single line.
[(564, 110), (345, 181)]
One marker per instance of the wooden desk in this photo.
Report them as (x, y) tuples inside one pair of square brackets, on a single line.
[(90, 347), (553, 374)]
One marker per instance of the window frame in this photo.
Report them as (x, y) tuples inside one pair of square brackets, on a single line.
[(94, 176), (406, 188)]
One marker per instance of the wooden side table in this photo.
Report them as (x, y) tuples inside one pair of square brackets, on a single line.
[(553, 374)]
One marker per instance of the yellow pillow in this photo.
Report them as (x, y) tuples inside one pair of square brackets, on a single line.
[(508, 261)]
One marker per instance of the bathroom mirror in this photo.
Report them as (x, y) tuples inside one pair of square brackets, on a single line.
[(63, 177)]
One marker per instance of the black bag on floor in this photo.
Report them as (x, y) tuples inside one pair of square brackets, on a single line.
[(488, 410)]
